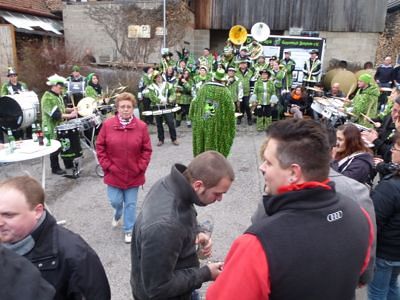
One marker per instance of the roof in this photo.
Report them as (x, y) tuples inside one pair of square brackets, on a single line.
[(393, 5), (36, 8)]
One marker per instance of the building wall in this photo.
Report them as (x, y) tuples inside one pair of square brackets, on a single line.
[(389, 40), (354, 47), (81, 32)]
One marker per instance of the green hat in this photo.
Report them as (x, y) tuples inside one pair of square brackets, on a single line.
[(219, 75), (11, 71), (76, 68), (90, 76), (56, 79), (366, 78)]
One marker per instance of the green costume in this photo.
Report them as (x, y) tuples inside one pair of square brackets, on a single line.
[(235, 87), (213, 119), (263, 90), (183, 98), (277, 78), (366, 102), (388, 109), (163, 94), (198, 82), (289, 66), (7, 89), (207, 61), (50, 102), (245, 79), (257, 67)]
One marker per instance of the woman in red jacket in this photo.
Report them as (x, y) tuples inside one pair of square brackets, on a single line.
[(124, 150)]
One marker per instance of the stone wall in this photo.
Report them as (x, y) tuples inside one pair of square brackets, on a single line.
[(354, 47), (389, 40), (81, 33)]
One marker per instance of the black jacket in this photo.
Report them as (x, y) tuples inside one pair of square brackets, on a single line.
[(68, 263), (20, 280), (386, 198), (164, 258), (359, 167), (383, 143), (316, 244)]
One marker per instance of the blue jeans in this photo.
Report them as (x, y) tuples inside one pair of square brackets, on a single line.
[(385, 285), (124, 201)]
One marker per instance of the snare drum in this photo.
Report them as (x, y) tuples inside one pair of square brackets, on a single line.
[(19, 110), (88, 122), (68, 135)]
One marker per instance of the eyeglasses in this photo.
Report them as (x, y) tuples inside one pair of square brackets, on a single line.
[(394, 149), (123, 107)]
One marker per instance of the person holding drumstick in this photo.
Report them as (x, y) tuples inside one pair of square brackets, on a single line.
[(365, 102), (53, 113)]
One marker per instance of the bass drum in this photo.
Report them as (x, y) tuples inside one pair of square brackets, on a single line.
[(19, 110)]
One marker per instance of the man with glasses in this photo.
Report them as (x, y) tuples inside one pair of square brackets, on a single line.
[(13, 86)]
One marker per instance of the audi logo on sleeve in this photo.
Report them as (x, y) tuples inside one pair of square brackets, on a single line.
[(337, 215)]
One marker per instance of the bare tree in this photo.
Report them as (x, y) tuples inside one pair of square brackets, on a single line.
[(115, 19)]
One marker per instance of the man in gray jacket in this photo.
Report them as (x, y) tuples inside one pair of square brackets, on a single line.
[(163, 251)]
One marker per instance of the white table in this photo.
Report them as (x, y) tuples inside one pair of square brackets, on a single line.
[(28, 150)]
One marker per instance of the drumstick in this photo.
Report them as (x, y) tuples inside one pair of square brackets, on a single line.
[(368, 119), (73, 104), (349, 92)]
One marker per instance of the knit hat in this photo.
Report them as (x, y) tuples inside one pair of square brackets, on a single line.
[(56, 79), (366, 78), (76, 68), (219, 75), (11, 71)]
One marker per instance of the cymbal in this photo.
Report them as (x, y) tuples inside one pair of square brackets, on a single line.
[(86, 106)]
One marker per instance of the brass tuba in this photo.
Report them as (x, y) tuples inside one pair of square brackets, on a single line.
[(238, 34)]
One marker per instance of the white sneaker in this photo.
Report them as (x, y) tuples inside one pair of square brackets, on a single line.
[(115, 223), (128, 237)]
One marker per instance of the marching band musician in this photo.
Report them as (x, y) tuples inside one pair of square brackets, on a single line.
[(226, 59), (144, 82), (162, 95), (76, 91), (365, 101), (93, 88), (213, 116), (235, 86), (289, 65), (312, 69), (169, 75), (13, 86), (167, 61), (200, 79), (207, 59), (245, 75), (277, 75), (184, 97), (259, 65), (263, 90), (53, 113), (335, 91)]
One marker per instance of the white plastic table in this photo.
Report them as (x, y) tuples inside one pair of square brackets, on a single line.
[(28, 150)]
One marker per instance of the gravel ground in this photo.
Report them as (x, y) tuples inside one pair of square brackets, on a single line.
[(83, 203)]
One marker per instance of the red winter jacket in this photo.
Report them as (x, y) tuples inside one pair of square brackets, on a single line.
[(124, 153)]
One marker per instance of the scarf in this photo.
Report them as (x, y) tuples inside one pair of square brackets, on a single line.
[(25, 245), (97, 87), (125, 122), (296, 97)]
